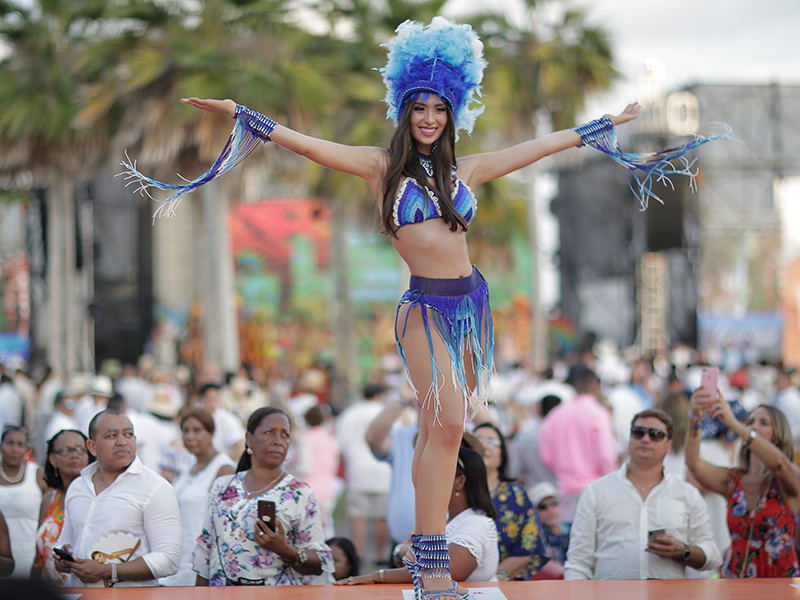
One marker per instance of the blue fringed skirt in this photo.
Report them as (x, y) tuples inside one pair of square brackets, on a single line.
[(458, 309)]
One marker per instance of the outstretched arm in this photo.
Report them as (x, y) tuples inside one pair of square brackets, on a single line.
[(480, 168), (367, 162), (711, 477)]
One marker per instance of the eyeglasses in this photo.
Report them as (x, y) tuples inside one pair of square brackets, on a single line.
[(545, 504), (656, 435), (490, 442), (80, 450)]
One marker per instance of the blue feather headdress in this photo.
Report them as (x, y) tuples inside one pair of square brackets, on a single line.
[(445, 58)]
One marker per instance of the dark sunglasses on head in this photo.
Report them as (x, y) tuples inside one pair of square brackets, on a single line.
[(656, 435)]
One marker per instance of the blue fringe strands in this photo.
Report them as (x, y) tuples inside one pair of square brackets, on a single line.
[(443, 57), (249, 130), (643, 170), (458, 309)]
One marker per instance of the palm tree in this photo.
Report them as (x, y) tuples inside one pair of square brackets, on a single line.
[(38, 84), (550, 68)]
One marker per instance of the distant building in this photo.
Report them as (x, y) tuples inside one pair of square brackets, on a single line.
[(644, 277)]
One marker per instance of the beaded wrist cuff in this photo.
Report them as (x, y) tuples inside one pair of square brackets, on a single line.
[(593, 129), (256, 123)]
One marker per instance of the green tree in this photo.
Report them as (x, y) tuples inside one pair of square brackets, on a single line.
[(39, 80)]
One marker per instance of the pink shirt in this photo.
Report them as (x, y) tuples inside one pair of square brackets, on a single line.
[(324, 452), (577, 443)]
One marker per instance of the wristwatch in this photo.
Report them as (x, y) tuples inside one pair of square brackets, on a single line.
[(753, 435), (686, 554), (113, 579), (302, 557)]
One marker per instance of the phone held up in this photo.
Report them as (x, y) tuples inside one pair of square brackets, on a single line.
[(266, 513), (709, 380)]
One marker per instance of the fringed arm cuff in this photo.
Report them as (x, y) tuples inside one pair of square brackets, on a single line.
[(644, 169), (249, 130)]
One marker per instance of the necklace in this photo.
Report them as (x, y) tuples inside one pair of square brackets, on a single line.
[(265, 488), (427, 164), (16, 479)]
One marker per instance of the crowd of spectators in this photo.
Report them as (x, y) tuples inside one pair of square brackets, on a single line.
[(596, 467)]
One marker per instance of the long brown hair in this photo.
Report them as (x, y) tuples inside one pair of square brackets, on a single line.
[(781, 435), (404, 162)]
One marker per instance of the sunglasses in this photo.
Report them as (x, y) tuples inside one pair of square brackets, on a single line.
[(656, 435), (545, 504)]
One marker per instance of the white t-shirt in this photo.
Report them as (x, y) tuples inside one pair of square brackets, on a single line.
[(364, 472), (58, 422), (228, 431), (477, 533)]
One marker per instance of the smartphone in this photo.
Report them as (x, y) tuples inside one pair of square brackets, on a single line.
[(709, 380), (63, 554), (655, 532), (266, 513)]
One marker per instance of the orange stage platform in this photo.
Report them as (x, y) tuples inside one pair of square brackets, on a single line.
[(714, 589)]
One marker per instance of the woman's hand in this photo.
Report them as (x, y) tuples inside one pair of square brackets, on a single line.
[(359, 579), (700, 404), (225, 107), (274, 541), (629, 114), (719, 408)]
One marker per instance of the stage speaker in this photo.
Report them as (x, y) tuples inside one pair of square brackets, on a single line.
[(665, 221)]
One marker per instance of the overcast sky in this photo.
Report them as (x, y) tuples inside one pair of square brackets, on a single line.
[(695, 41)]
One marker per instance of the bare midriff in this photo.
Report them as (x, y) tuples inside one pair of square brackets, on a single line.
[(431, 250)]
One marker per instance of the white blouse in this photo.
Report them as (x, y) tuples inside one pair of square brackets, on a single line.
[(192, 492), (477, 533)]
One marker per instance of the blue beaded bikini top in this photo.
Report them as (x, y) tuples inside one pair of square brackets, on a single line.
[(414, 204)]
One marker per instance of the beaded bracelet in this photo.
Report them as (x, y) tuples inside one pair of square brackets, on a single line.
[(593, 129), (256, 123)]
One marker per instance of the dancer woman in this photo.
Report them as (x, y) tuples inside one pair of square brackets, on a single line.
[(443, 325)]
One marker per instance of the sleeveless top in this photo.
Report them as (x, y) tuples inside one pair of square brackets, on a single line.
[(192, 492), (771, 551), (46, 539), (414, 204), (20, 506)]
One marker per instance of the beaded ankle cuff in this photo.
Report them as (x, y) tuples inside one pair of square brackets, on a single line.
[(434, 558)]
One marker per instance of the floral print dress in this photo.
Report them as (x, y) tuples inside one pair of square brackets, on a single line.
[(771, 551), (518, 527), (227, 552)]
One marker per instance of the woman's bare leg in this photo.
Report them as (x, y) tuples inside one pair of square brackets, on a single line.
[(436, 451)]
